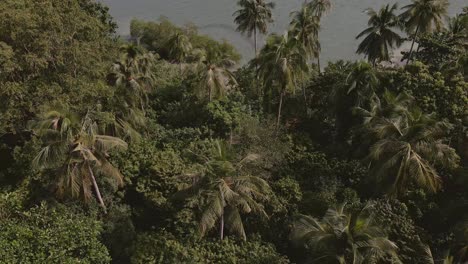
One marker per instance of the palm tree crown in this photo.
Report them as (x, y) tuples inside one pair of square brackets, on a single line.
[(305, 27), (179, 47), (254, 15), (380, 38), (74, 147), (320, 7), (281, 63), (363, 81), (409, 147), (215, 76), (423, 16), (343, 237), (133, 75), (226, 193)]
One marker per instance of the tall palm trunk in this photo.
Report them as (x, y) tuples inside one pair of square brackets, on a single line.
[(221, 227), (96, 189), (304, 94), (255, 41), (412, 45), (279, 110), (318, 63), (221, 222)]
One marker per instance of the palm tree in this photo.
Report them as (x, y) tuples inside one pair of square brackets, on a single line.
[(74, 147), (179, 47), (363, 81), (320, 9), (281, 63), (254, 15), (343, 237), (423, 16), (226, 193), (305, 27), (428, 258), (408, 149), (215, 76), (132, 75), (390, 106), (380, 38)]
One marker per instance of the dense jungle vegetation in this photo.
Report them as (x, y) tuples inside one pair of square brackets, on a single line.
[(163, 148)]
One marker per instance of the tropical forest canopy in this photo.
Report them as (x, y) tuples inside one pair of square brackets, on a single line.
[(162, 148)]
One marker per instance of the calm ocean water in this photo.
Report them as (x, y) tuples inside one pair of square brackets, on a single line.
[(214, 17)]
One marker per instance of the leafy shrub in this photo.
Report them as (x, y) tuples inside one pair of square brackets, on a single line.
[(163, 247), (45, 234)]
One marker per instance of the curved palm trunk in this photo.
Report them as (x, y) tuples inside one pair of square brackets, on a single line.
[(279, 110), (412, 45), (96, 189)]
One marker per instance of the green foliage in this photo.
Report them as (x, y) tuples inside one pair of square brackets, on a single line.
[(343, 237), (157, 178), (52, 51), (432, 92), (205, 155), (156, 37), (394, 217), (51, 234), (165, 248)]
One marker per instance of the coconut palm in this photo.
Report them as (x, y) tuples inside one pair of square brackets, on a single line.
[(132, 75), (179, 47), (423, 16), (388, 106), (215, 76), (343, 237), (458, 28), (379, 36), (281, 64), (75, 149), (319, 9), (428, 258), (305, 27), (253, 17), (408, 150), (226, 193), (363, 81)]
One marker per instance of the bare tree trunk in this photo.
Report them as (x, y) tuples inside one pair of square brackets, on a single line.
[(412, 45), (279, 111), (96, 189)]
